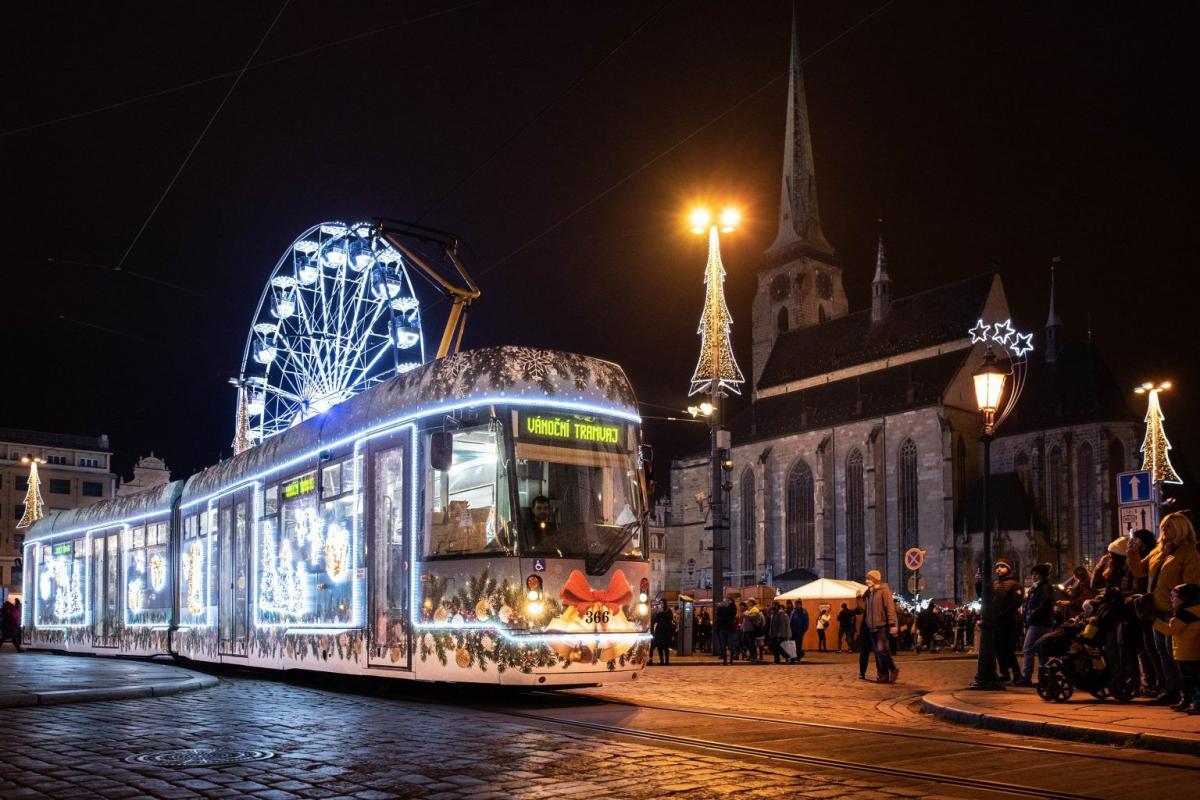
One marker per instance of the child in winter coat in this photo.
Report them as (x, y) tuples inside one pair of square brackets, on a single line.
[(1184, 630)]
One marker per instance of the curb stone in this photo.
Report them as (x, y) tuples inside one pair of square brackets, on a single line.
[(64, 696), (1058, 730)]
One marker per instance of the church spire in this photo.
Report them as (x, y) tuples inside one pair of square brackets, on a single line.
[(799, 218), (881, 286), (1053, 324)]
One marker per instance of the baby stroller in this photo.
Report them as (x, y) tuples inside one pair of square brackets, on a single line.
[(1072, 655)]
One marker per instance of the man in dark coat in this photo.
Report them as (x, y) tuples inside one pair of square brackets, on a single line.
[(1038, 613), (1004, 604), (799, 623), (725, 627), (846, 625)]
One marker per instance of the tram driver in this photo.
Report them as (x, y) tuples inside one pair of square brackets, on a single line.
[(543, 524)]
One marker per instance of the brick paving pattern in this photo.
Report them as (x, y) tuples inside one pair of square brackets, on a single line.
[(335, 745)]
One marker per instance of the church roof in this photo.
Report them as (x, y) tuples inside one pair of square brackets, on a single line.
[(1076, 388), (920, 320), (871, 395)]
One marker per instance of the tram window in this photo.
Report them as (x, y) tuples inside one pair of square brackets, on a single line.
[(271, 500), (147, 576), (468, 504), (61, 583), (193, 561)]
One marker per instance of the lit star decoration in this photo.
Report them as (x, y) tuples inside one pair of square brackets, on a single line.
[(980, 333), (1016, 347), (716, 353)]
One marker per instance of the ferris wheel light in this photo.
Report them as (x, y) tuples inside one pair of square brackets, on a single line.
[(255, 404), (266, 328), (333, 229), (307, 246), (388, 287), (404, 303)]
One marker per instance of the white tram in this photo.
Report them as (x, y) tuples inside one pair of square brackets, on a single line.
[(393, 535)]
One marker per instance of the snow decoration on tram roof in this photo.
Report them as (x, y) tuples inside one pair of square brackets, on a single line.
[(151, 503)]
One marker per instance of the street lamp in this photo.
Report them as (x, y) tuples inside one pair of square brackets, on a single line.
[(716, 370), (990, 381)]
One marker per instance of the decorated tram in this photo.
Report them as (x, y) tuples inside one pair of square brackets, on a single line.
[(478, 518)]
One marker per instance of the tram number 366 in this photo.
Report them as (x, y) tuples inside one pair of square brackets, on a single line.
[(595, 617)]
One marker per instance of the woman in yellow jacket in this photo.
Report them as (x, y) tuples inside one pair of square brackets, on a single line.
[(1173, 561), (1184, 630)]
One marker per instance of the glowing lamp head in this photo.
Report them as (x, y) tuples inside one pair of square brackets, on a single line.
[(730, 218), (989, 386), (700, 220)]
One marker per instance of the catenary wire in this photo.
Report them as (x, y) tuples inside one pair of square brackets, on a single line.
[(233, 86), (540, 112), (229, 74)]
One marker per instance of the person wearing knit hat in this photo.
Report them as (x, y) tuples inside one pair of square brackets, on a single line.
[(879, 622), (1004, 606), (1038, 614)]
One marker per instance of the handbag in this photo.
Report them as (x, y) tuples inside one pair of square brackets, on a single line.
[(788, 646)]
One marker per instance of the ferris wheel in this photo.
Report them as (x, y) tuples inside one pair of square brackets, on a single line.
[(338, 315)]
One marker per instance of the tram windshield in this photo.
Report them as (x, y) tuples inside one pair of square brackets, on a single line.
[(574, 481), (577, 488)]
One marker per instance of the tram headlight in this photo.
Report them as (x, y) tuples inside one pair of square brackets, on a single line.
[(643, 609), (533, 596), (534, 609), (643, 597)]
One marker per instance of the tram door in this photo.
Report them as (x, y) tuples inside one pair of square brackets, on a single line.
[(233, 590), (388, 550), (106, 587)]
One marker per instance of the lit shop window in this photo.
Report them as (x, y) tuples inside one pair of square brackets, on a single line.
[(309, 550), (147, 576), (61, 583)]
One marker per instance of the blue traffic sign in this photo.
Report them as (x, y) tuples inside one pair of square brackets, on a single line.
[(1134, 487)]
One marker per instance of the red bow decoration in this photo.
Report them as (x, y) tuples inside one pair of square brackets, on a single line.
[(579, 593)]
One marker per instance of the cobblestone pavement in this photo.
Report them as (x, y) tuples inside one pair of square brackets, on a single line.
[(337, 745), (829, 691), (27, 678)]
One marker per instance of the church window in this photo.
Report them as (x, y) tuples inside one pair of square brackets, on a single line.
[(907, 496), (856, 537), (749, 532), (783, 320), (780, 285), (801, 518), (1116, 465), (1090, 540), (824, 286), (1057, 512)]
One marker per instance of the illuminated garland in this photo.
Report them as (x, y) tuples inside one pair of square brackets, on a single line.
[(192, 564), (1156, 456), (337, 553), (715, 322), (134, 596), (158, 572)]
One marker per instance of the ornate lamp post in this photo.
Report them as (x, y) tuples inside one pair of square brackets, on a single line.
[(716, 370), (990, 381)]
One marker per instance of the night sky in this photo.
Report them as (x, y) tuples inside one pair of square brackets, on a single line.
[(986, 136)]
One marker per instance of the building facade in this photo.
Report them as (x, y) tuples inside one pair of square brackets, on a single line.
[(149, 472), (76, 472), (862, 436)]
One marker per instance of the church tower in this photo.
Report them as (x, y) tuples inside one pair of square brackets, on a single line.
[(798, 283)]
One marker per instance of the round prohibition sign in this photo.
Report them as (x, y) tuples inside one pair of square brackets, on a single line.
[(914, 558)]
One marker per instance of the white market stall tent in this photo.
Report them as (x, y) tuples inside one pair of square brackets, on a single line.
[(823, 592)]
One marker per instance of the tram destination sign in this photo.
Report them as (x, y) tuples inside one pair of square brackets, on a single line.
[(569, 428), (302, 485)]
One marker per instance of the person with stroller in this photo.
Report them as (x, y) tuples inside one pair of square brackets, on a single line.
[(1174, 560), (1038, 614), (1184, 630)]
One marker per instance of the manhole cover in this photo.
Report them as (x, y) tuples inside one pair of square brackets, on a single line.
[(200, 756)]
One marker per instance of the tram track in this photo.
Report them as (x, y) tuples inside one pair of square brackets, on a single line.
[(1126, 756), (726, 749)]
